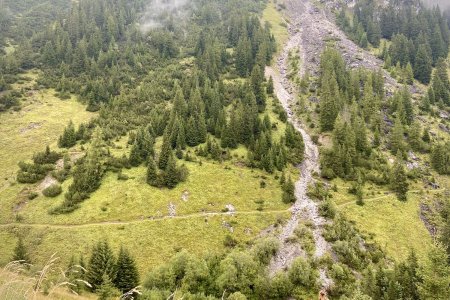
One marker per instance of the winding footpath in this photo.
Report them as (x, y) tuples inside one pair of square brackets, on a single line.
[(304, 208)]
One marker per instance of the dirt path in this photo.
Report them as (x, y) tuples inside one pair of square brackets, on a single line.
[(131, 222)]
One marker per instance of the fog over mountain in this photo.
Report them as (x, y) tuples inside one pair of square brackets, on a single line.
[(158, 12), (443, 4)]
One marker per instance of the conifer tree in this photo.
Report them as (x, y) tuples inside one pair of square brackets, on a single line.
[(407, 106), (152, 172), (171, 176), (409, 74), (414, 136), (256, 81), (191, 132), (69, 138), (426, 136), (437, 43), (135, 158), (328, 102), (166, 151), (83, 268), (359, 190), (127, 276), (363, 42), (441, 84), (106, 290), (243, 56), (21, 253), (435, 275), (399, 180), (270, 87), (397, 137), (289, 191), (440, 158), (423, 65), (102, 262)]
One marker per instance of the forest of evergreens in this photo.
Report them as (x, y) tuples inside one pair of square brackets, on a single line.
[(196, 90)]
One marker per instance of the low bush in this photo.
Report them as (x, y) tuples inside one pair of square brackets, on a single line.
[(52, 191)]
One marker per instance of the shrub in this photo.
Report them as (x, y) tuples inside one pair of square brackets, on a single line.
[(327, 209), (229, 241), (121, 176), (32, 195), (52, 191)]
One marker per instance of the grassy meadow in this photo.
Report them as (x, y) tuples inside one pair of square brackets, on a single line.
[(129, 213)]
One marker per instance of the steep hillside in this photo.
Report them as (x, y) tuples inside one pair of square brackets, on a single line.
[(198, 149)]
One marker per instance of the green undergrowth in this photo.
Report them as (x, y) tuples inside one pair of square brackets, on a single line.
[(209, 188), (396, 226), (151, 242)]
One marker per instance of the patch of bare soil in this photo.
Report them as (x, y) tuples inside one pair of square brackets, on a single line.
[(47, 182), (31, 126)]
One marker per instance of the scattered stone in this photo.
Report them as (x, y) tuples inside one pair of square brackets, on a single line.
[(185, 196), (228, 226), (172, 210), (443, 115), (230, 208), (444, 128)]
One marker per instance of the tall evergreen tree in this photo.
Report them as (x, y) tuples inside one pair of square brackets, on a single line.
[(397, 142), (329, 102), (436, 275), (166, 151), (102, 262), (21, 253), (152, 173), (399, 180), (270, 87), (256, 81), (423, 65), (171, 174), (69, 138), (289, 191), (127, 276)]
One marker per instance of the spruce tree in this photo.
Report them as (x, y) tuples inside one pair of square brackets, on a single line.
[(409, 74), (397, 137), (171, 174), (166, 151), (69, 138), (440, 158), (21, 253), (135, 158), (127, 276), (243, 56), (270, 87), (83, 268), (191, 132), (102, 262), (328, 102), (435, 275), (106, 290), (359, 190), (423, 65), (152, 172), (399, 180), (289, 191), (414, 136), (256, 81)]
